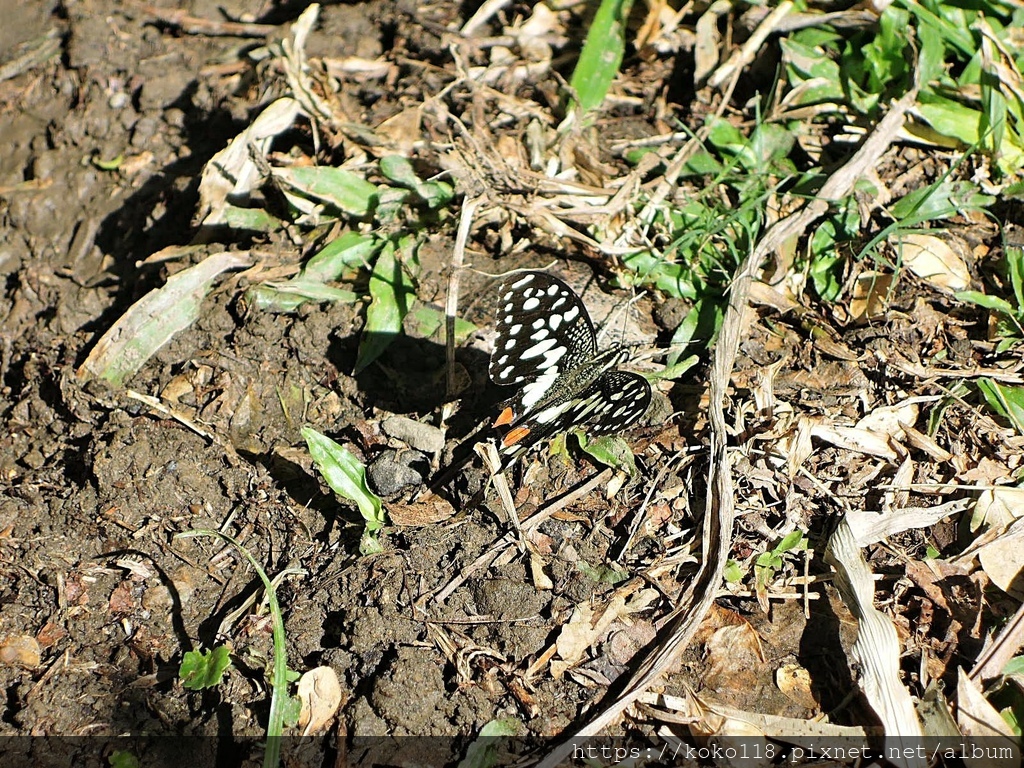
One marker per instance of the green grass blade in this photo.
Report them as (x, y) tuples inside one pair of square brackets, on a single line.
[(279, 676)]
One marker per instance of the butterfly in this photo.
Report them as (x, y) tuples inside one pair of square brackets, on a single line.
[(546, 346)]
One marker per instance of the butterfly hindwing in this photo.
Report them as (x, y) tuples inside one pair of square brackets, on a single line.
[(613, 403)]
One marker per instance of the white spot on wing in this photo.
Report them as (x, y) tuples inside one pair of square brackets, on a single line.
[(509, 343), (515, 329), (508, 372), (571, 314), (534, 391), (552, 357), (554, 321), (524, 280), (538, 323), (551, 413), (539, 348), (531, 304)]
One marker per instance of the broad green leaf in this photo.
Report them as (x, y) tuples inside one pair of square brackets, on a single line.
[(675, 370), (602, 53), (428, 321), (612, 451), (398, 170), (204, 669), (939, 201), (1014, 666), (249, 219), (732, 573), (602, 574), (483, 752), (345, 475), (151, 321), (792, 539), (1005, 400), (674, 279), (351, 251), (391, 295), (341, 189), (290, 295)]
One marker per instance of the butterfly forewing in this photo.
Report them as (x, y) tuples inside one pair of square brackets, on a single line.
[(546, 345), (543, 331)]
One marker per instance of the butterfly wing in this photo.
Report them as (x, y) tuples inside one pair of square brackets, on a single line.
[(544, 330), (613, 403)]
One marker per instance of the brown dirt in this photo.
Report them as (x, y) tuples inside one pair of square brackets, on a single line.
[(96, 485)]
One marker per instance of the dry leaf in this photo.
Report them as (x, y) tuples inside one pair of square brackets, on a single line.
[(321, 695), (20, 651), (979, 719), (854, 439), (795, 682), (889, 420), (588, 625), (870, 295), (428, 510), (933, 259)]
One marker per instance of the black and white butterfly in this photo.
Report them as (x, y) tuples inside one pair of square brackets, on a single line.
[(546, 346)]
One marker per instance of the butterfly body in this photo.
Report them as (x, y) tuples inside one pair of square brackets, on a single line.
[(546, 345)]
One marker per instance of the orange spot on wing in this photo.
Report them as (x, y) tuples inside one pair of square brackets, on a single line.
[(514, 436), (505, 417)]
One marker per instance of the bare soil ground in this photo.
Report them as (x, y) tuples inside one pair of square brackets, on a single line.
[(95, 484)]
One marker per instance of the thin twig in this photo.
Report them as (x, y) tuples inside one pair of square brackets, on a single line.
[(193, 25)]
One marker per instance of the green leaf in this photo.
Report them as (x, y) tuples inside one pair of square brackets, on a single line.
[(398, 170), (602, 53), (988, 302), (612, 451), (204, 669), (291, 708), (791, 541), (349, 252), (249, 219), (119, 758), (346, 476), (483, 752), (290, 295), (1014, 666), (341, 189), (1005, 400), (151, 321), (391, 294), (602, 574), (426, 321), (732, 573)]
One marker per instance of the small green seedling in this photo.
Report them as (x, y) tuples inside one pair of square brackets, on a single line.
[(204, 669), (769, 563), (347, 477)]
